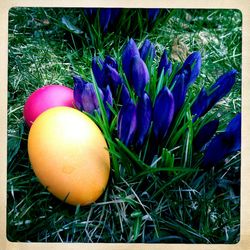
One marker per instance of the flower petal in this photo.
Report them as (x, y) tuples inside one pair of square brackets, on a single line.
[(140, 75), (163, 113), (129, 52), (111, 62), (224, 144), (179, 93), (194, 62), (78, 89), (105, 15), (222, 87), (147, 50), (234, 127), (111, 78), (85, 96), (217, 150), (143, 118), (125, 96), (152, 15), (205, 134), (200, 105), (127, 123), (204, 102), (164, 64)]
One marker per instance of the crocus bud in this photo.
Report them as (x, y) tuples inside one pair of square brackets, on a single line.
[(107, 96), (224, 144), (222, 87), (147, 50), (127, 123), (234, 127), (143, 118), (85, 96), (152, 15), (111, 62), (111, 78), (78, 89), (179, 93), (129, 52), (204, 102), (97, 65), (105, 15), (205, 134), (139, 75), (193, 62), (125, 96), (163, 113), (164, 64), (200, 105)]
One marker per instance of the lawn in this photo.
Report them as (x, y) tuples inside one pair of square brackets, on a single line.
[(151, 205)]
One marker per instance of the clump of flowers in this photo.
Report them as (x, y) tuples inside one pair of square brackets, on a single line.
[(109, 17), (93, 25), (151, 114)]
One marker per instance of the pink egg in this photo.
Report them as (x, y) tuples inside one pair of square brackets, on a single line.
[(44, 98)]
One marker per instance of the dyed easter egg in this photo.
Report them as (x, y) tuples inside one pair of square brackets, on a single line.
[(44, 98), (69, 155)]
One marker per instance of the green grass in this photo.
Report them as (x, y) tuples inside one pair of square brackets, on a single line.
[(147, 203)]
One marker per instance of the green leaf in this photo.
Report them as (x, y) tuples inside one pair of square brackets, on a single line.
[(71, 27), (188, 142), (137, 227), (135, 159), (166, 169), (160, 84)]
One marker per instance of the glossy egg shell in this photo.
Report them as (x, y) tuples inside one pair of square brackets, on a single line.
[(44, 98), (69, 155)]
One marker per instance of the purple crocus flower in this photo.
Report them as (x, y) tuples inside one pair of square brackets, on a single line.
[(163, 113), (129, 52), (134, 67), (164, 64), (192, 62), (127, 123), (125, 96), (190, 69), (200, 105), (143, 118), (152, 15), (111, 78), (139, 75), (111, 62), (147, 50), (179, 93), (224, 144), (204, 102), (105, 72), (222, 87), (78, 89), (205, 134), (105, 15), (85, 96)]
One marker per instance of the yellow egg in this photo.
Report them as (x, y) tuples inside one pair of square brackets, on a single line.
[(69, 155)]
